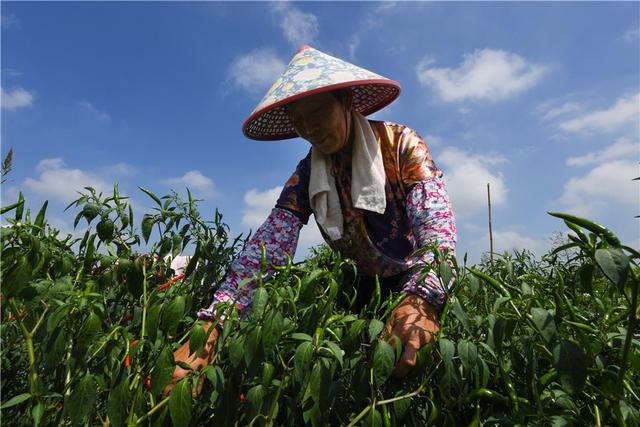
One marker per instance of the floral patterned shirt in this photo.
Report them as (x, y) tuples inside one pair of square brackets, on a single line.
[(418, 214)]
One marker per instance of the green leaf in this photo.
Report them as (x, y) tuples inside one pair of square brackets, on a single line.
[(260, 298), (193, 261), (302, 360), (495, 284), (447, 350), (251, 344), (502, 328), (117, 403), (82, 399), (299, 336), (15, 400), (319, 382), (90, 211), (180, 403), (375, 327), (150, 194), (6, 209), (571, 364), (400, 408), (255, 398), (614, 264), (147, 227), (373, 419), (197, 338), (468, 354), (40, 217), (91, 327), (17, 277), (36, 413), (272, 330), (173, 314), (162, 371), (585, 274), (151, 325), (236, 350), (383, 362), (267, 373), (105, 229), (165, 246), (176, 244), (589, 225), (135, 278), (336, 350), (544, 322), (215, 376)]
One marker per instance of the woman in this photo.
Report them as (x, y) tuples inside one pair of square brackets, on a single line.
[(372, 187)]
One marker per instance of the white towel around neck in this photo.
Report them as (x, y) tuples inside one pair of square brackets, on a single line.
[(367, 180)]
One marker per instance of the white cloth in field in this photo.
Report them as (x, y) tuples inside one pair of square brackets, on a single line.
[(367, 180)]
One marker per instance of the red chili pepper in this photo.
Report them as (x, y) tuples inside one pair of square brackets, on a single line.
[(166, 285), (126, 318), (127, 360), (148, 383), (241, 397)]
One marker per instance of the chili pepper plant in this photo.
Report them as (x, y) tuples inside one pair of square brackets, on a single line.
[(89, 326)]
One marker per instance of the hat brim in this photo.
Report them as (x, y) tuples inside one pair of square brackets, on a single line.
[(272, 122)]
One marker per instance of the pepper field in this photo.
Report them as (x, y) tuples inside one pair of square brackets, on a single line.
[(88, 331)]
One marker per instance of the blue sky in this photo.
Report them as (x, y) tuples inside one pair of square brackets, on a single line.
[(540, 99)]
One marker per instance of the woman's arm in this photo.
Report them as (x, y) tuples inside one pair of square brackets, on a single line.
[(416, 319), (279, 236), (433, 224)]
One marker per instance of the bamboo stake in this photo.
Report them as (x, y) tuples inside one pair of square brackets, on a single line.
[(490, 230)]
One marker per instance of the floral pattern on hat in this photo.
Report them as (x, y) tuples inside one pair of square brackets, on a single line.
[(312, 71)]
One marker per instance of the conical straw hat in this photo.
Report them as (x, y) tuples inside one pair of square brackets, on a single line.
[(310, 72)]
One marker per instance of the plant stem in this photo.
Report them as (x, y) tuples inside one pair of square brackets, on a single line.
[(631, 327), (360, 416), (40, 320), (28, 338), (275, 401), (597, 414), (153, 410), (144, 298)]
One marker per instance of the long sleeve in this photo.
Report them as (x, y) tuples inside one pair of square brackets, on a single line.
[(432, 221), (279, 235)]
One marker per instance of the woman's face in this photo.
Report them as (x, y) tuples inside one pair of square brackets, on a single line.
[(323, 120)]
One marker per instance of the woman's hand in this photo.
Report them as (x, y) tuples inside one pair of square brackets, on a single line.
[(415, 322), (195, 361)]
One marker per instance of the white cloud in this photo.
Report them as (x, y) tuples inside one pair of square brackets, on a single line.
[(57, 182), (374, 18), (432, 140), (632, 34), (256, 70), (622, 148), (623, 114), (503, 241), (15, 99), (607, 183), (259, 205), (566, 108), (511, 240), (101, 115), (10, 72), (10, 21), (195, 181), (467, 176), (297, 26), (485, 74), (119, 169), (309, 237)]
